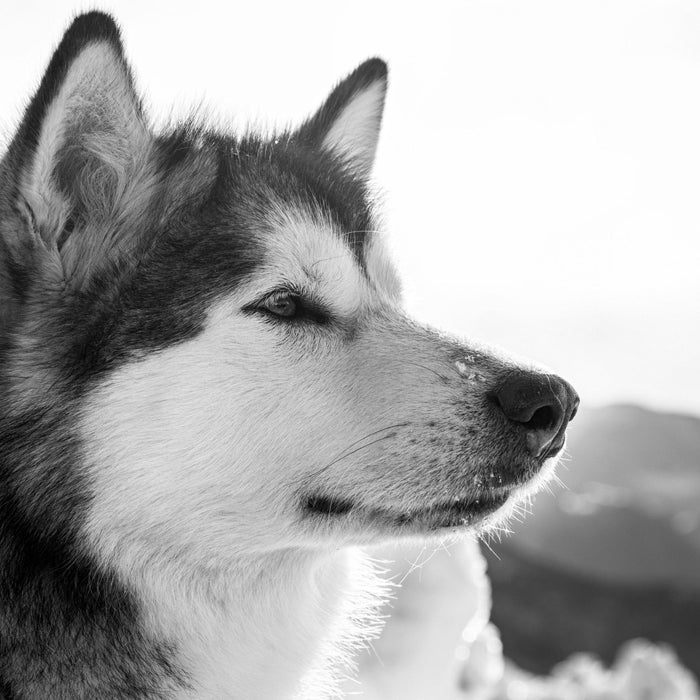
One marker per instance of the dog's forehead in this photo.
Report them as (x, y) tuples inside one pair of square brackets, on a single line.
[(304, 247), (307, 247)]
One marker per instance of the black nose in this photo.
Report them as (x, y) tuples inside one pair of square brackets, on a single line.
[(542, 405)]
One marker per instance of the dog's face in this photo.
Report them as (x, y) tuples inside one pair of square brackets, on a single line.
[(224, 329)]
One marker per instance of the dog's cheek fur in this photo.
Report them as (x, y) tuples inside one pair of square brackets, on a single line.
[(177, 444)]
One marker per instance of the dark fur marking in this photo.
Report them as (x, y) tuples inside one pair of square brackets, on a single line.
[(328, 505), (6, 692)]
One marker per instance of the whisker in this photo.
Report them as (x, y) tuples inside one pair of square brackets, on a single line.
[(414, 565), (375, 432), (442, 377), (357, 449), (490, 548), (348, 451), (557, 479)]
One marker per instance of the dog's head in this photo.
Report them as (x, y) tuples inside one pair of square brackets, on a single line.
[(210, 328)]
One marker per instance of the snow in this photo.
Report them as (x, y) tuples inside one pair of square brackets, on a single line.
[(438, 644), (642, 671), (440, 611)]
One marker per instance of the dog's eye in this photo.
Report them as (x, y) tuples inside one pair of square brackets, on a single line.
[(281, 304), (290, 306)]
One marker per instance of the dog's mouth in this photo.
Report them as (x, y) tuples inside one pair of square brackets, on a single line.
[(457, 512), (470, 509)]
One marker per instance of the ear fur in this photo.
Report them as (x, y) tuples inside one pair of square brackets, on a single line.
[(80, 152), (347, 125)]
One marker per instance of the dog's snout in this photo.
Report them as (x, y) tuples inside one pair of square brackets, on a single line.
[(540, 404)]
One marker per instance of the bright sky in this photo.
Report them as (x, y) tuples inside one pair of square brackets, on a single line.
[(540, 160)]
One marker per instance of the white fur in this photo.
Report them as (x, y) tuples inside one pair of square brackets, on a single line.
[(354, 134), (278, 625)]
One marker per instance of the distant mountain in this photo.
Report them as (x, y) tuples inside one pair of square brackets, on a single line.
[(625, 445), (616, 543), (631, 513), (545, 614)]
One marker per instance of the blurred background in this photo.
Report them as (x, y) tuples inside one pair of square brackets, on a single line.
[(540, 170)]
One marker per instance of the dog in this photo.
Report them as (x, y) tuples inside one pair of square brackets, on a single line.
[(210, 398)]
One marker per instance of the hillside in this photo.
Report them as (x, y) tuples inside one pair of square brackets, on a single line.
[(546, 614)]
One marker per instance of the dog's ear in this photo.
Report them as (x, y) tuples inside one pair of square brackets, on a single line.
[(79, 156), (348, 123)]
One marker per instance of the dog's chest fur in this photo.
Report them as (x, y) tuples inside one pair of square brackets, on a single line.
[(250, 636)]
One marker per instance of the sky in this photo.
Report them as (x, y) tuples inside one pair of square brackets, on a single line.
[(539, 163)]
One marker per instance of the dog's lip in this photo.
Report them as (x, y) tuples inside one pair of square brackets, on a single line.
[(455, 512), (459, 511)]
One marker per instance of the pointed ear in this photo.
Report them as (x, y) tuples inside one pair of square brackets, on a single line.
[(80, 149), (347, 125)]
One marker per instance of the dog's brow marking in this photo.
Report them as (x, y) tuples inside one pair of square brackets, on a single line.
[(301, 236), (328, 259)]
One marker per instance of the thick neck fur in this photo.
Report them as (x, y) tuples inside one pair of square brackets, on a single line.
[(273, 627)]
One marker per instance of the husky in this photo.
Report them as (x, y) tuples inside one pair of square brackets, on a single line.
[(211, 400)]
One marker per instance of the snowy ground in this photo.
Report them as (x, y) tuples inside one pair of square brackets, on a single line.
[(439, 645)]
